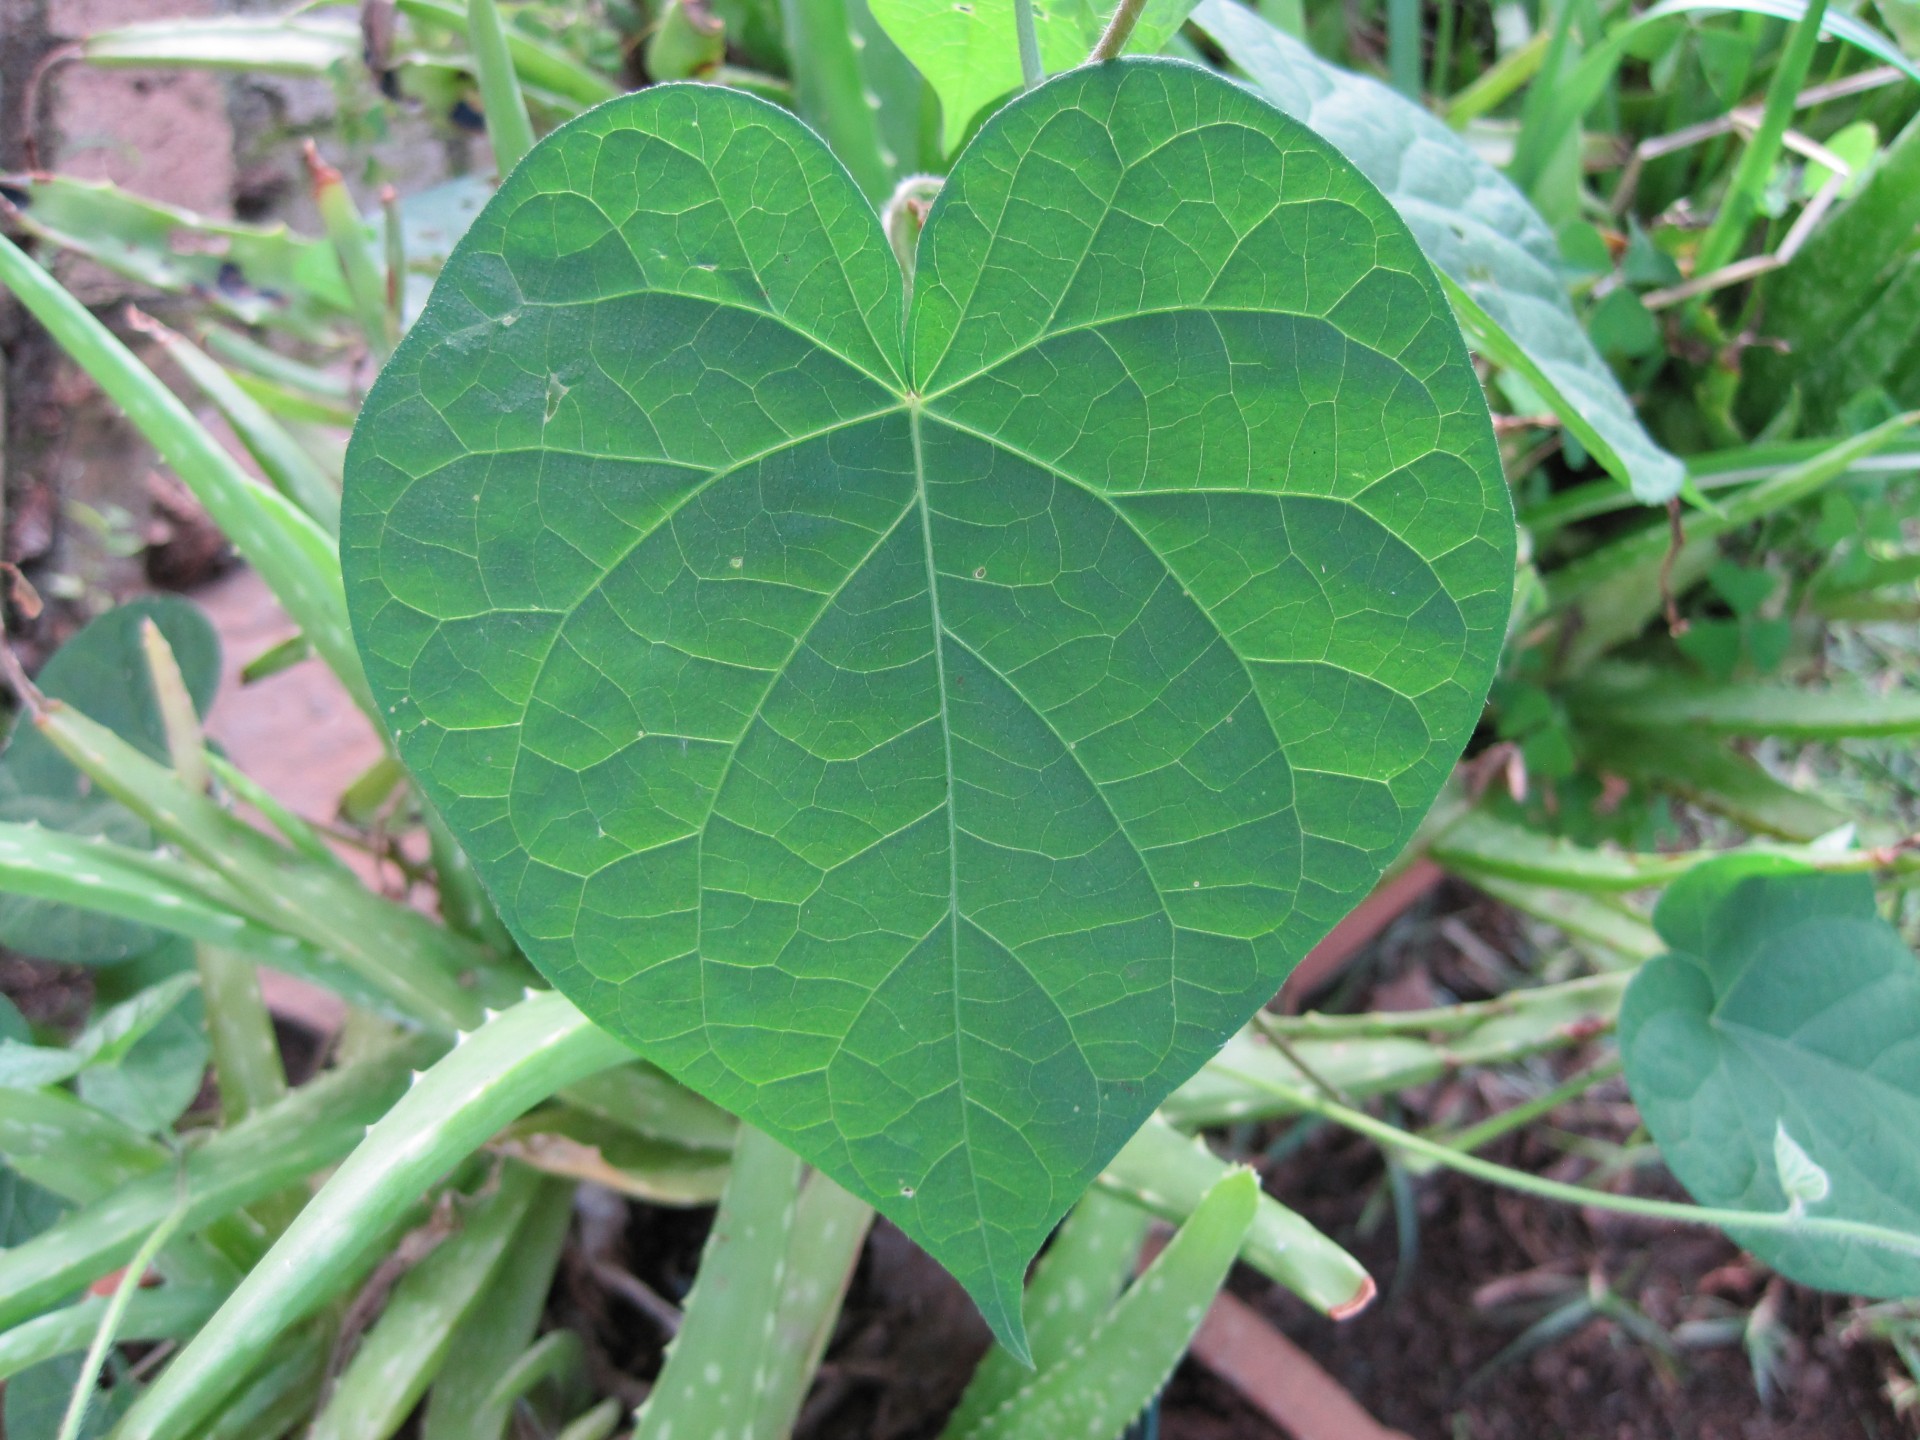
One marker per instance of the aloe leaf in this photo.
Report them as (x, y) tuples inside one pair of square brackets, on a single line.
[(1099, 1387), (1618, 586), (540, 65), (150, 890), (882, 733), (259, 275), (1833, 283), (1075, 1283), (102, 669), (640, 1098), (313, 1127), (707, 1384), (829, 1228), (70, 1149), (1693, 764), (1478, 230), (400, 1355), (862, 95), (514, 1061), (577, 1145), (493, 1333), (429, 972), (281, 45), (292, 553), (1645, 698), (1170, 1175), (970, 53), (506, 108), (293, 471), (1771, 1055), (280, 1395), (170, 1312), (1601, 922)]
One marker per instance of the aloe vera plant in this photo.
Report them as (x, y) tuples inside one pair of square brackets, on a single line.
[(911, 585)]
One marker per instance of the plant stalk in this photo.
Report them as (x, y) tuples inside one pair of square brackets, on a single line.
[(1028, 36), (1113, 40), (1452, 1158)]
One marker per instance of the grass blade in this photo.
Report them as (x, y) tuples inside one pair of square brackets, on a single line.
[(1742, 200)]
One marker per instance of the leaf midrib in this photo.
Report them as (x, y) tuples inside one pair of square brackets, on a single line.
[(953, 824)]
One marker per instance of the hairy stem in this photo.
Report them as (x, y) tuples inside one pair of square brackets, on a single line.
[(1113, 40)]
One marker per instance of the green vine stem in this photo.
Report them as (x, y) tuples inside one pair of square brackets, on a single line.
[(1032, 72), (494, 1074), (1393, 1137)]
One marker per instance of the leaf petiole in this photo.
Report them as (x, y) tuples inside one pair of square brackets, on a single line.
[(1031, 71), (1113, 40)]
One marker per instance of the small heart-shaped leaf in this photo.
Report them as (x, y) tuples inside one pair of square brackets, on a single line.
[(1775, 1055), (929, 731)]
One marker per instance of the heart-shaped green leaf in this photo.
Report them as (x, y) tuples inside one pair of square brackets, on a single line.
[(1775, 1055), (932, 740)]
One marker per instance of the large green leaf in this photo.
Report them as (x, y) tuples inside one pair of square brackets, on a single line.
[(970, 52), (1786, 1008), (932, 742), (101, 671), (1475, 227)]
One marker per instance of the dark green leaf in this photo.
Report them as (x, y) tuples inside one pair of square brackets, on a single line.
[(932, 745), (102, 672), (1786, 1006)]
